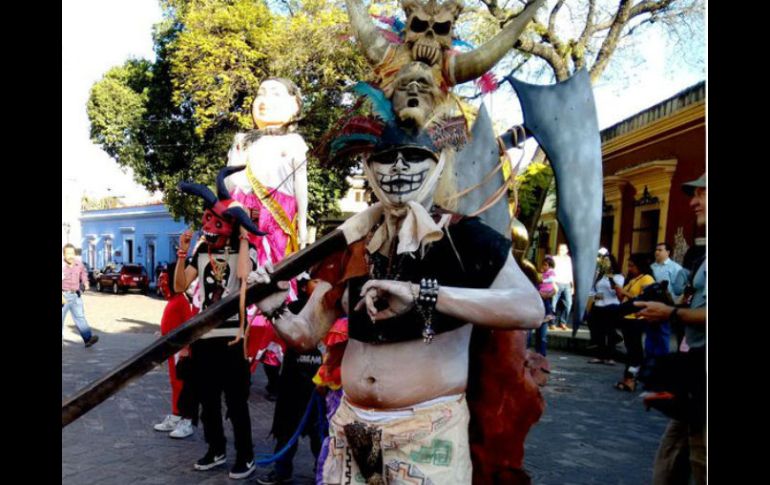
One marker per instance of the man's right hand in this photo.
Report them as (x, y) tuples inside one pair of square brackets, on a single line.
[(271, 303)]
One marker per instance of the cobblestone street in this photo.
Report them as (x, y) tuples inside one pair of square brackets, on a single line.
[(590, 433)]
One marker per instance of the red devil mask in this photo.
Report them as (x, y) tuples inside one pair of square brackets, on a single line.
[(217, 226), (220, 218)]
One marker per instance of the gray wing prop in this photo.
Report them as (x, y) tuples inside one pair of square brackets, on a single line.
[(562, 118), (477, 158)]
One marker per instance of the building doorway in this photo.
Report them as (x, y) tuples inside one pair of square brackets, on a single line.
[(130, 250), (151, 259)]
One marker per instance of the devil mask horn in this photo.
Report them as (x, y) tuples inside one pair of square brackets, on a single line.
[(240, 215)]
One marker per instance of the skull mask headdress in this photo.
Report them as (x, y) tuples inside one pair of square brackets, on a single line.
[(222, 214), (429, 28)]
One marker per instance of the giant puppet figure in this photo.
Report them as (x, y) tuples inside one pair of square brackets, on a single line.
[(273, 187)]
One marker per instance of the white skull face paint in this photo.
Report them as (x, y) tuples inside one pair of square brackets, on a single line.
[(401, 174)]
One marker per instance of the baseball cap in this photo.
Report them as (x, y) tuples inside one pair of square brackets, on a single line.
[(689, 187)]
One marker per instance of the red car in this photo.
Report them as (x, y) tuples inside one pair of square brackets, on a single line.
[(123, 278)]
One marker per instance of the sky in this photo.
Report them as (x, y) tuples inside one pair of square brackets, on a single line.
[(97, 35), (100, 34)]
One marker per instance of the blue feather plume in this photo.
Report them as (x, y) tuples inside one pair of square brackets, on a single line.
[(380, 104), (345, 140), (462, 43)]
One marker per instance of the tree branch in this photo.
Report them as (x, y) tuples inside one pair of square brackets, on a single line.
[(552, 17), (547, 53), (611, 41), (494, 9), (583, 39)]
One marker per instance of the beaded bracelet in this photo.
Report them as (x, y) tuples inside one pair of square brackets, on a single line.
[(426, 304)]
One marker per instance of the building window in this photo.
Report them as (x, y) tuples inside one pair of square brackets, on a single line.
[(647, 232), (359, 196), (173, 245), (107, 251), (92, 255)]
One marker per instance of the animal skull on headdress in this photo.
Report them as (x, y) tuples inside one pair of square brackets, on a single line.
[(429, 28), (426, 43)]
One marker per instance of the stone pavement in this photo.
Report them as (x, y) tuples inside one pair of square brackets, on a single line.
[(590, 434)]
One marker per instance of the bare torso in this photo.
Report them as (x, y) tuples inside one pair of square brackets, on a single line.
[(398, 375)]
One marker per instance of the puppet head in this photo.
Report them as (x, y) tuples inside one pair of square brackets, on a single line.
[(415, 94), (429, 28), (222, 216), (277, 103)]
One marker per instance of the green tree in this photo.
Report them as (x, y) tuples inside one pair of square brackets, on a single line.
[(89, 204), (174, 119)]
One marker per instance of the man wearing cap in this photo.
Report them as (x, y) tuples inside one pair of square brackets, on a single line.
[(411, 282), (681, 436)]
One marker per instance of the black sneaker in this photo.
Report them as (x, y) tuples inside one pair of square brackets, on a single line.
[(210, 461), (272, 478), (242, 469), (92, 340)]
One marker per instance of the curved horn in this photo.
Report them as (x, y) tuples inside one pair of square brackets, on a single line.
[(222, 191), (372, 42), (205, 193), (243, 219), (470, 65)]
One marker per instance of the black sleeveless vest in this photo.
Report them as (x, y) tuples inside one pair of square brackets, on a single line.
[(482, 254)]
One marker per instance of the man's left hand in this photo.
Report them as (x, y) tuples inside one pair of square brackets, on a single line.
[(400, 297), (654, 311)]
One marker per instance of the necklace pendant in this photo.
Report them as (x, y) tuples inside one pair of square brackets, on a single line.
[(427, 334)]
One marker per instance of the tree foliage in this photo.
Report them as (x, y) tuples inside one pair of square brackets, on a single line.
[(174, 119), (109, 202)]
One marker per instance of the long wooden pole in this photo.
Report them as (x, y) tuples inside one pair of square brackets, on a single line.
[(159, 351)]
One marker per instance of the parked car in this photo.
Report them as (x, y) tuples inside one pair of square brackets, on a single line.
[(122, 278)]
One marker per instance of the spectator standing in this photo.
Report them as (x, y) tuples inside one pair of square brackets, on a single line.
[(565, 286), (74, 280), (176, 312), (604, 313), (658, 337), (687, 439), (639, 276), (547, 289)]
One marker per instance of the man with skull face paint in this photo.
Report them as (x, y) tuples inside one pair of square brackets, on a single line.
[(411, 282), (223, 263)]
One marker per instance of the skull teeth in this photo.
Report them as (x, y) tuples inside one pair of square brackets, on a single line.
[(426, 53), (401, 183)]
